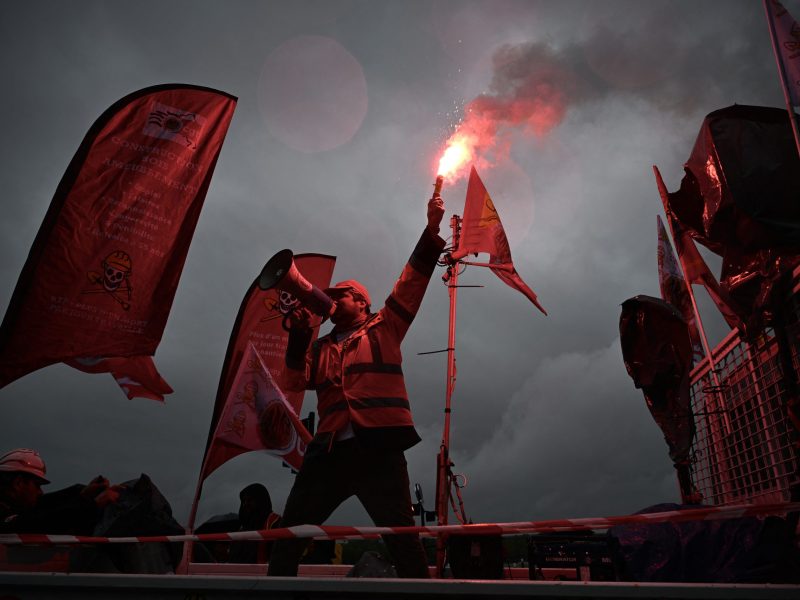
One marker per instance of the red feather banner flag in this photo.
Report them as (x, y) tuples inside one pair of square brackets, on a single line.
[(100, 278), (694, 267), (259, 324), (482, 231)]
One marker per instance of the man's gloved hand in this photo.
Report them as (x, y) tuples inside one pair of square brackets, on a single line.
[(101, 492), (300, 318), (435, 213), (96, 486), (109, 496)]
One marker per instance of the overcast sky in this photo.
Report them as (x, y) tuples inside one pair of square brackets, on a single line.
[(344, 107)]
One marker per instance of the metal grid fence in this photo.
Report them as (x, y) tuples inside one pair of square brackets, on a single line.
[(745, 444)]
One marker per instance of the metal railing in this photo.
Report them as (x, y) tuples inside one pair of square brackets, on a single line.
[(745, 445)]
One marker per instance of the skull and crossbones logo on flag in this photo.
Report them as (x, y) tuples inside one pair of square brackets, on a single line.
[(114, 279), (281, 305)]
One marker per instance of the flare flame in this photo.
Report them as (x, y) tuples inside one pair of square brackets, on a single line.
[(532, 88), (459, 153)]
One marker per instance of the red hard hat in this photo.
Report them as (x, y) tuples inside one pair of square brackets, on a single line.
[(351, 284), (24, 460), (119, 260)]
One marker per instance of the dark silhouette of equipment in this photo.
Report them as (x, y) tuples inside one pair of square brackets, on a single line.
[(475, 556), (425, 516)]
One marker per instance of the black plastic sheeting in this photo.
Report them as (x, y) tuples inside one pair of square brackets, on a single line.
[(142, 510), (742, 182), (744, 550), (740, 197), (657, 352)]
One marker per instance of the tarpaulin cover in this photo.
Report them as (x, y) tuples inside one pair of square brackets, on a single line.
[(657, 352), (744, 550), (141, 510), (742, 182), (740, 197)]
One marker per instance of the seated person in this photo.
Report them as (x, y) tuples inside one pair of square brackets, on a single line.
[(255, 513)]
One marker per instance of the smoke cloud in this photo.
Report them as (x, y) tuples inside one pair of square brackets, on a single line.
[(531, 91), (624, 53)]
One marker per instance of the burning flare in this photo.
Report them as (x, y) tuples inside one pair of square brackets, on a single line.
[(531, 90), (456, 157)]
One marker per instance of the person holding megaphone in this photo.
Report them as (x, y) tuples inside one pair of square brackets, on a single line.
[(365, 422)]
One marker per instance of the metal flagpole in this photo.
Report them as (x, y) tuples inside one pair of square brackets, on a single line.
[(782, 74), (443, 463), (186, 556), (662, 191)]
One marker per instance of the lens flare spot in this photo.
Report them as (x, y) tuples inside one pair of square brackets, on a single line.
[(312, 93)]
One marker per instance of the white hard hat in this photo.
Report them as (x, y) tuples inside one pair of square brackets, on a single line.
[(24, 460)]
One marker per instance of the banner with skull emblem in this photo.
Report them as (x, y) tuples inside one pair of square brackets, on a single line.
[(101, 276), (260, 324)]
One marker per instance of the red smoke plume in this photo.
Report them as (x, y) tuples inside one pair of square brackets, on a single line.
[(530, 92)]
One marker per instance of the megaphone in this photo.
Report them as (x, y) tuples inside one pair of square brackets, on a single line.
[(281, 272)]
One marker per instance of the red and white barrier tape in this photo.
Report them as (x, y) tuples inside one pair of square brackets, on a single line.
[(323, 532)]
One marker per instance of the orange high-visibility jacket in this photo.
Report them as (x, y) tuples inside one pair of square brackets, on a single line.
[(360, 379)]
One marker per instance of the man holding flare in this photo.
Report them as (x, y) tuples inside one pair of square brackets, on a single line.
[(365, 418)]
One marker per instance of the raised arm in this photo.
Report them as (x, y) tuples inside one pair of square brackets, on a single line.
[(406, 297)]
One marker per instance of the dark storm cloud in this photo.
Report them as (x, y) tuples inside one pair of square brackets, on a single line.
[(556, 422), (670, 58), (544, 416)]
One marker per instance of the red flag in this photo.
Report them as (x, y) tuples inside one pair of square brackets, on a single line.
[(259, 323), (137, 375), (482, 231), (674, 289), (257, 416), (697, 272), (695, 268), (101, 275)]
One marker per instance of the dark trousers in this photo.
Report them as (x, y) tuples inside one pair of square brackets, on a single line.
[(378, 478)]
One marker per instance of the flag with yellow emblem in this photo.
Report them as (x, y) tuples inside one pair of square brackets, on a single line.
[(482, 231)]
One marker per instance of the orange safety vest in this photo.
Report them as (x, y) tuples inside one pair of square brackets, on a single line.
[(360, 379)]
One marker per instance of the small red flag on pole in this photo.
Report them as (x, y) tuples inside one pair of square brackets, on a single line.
[(482, 231)]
